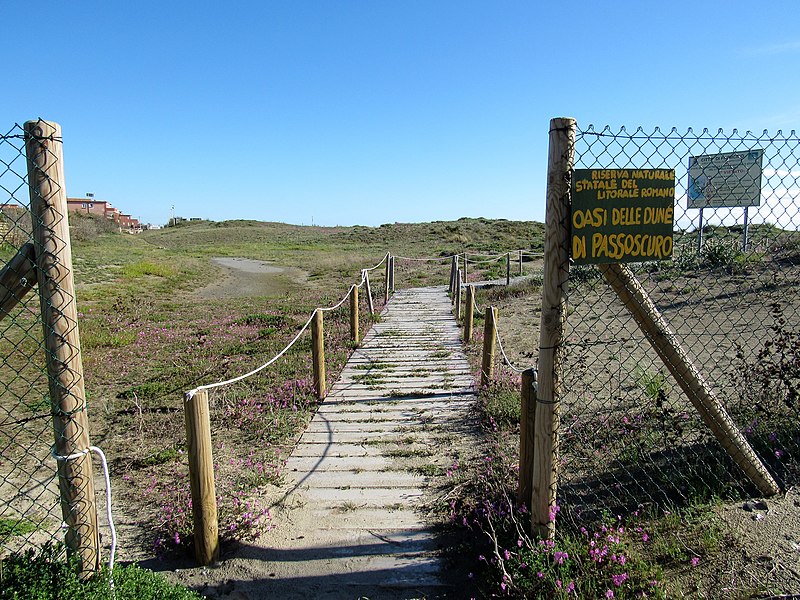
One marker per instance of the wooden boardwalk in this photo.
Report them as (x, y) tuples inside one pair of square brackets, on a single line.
[(359, 471)]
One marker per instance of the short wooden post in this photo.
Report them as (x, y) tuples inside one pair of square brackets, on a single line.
[(201, 477), (54, 275), (526, 429), (391, 274), (368, 290), (453, 267), (318, 354), (666, 344), (469, 313), (458, 294), (554, 305), (520, 263), (465, 265), (508, 268), (388, 268), (354, 333), (489, 345)]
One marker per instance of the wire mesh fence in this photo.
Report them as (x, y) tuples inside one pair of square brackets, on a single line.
[(630, 436), (29, 511)]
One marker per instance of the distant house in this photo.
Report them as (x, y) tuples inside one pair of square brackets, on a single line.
[(101, 208)]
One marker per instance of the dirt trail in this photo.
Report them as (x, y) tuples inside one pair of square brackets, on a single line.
[(245, 277)]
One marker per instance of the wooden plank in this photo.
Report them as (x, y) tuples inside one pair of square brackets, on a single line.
[(17, 279)]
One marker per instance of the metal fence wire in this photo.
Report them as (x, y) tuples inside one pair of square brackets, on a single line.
[(29, 500), (629, 437)]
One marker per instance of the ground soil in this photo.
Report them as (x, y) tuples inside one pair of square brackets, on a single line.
[(244, 277)]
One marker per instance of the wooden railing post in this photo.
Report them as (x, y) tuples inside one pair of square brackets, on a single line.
[(465, 265), (551, 330), (489, 345), (54, 275), (469, 313), (388, 269), (391, 274), (453, 268), (508, 268), (458, 294), (354, 333), (368, 290), (526, 429), (201, 477), (318, 354), (520, 263)]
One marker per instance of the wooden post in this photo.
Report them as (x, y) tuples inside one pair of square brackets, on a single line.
[(508, 268), (520, 263), (391, 274), (458, 294), (489, 345), (556, 274), (388, 268), (368, 290), (465, 265), (666, 344), (201, 478), (54, 275), (318, 354), (469, 313), (453, 268), (354, 333), (17, 279), (526, 429)]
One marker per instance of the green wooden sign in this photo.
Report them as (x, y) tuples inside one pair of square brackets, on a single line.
[(622, 215)]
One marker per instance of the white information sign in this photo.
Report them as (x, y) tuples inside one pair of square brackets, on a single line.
[(727, 179)]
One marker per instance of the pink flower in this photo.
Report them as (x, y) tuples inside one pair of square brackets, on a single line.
[(570, 587), (619, 579), (695, 561), (609, 594), (559, 557)]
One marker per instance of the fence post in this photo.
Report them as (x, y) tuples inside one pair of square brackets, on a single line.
[(201, 477), (665, 343), (391, 274), (526, 429), (368, 290), (318, 354), (508, 268), (469, 313), (489, 345), (388, 268), (556, 274), (452, 275), (458, 294), (465, 265), (53, 256), (354, 314), (520, 263)]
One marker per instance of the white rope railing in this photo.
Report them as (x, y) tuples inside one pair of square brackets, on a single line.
[(428, 259), (503, 352), (383, 260)]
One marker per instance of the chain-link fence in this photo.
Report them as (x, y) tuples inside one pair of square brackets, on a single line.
[(632, 440), (46, 489)]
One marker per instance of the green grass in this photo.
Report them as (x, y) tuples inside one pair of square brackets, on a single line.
[(10, 527), (48, 574)]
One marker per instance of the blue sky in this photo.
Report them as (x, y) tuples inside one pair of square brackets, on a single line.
[(345, 113)]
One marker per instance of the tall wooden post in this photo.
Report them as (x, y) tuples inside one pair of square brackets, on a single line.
[(368, 290), (666, 344), (54, 275), (489, 345), (201, 478), (508, 268), (520, 263), (465, 265), (556, 275), (458, 294), (354, 333), (391, 274), (526, 429), (469, 313), (388, 269), (318, 354)]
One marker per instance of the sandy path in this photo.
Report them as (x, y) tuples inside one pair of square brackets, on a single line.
[(245, 277)]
